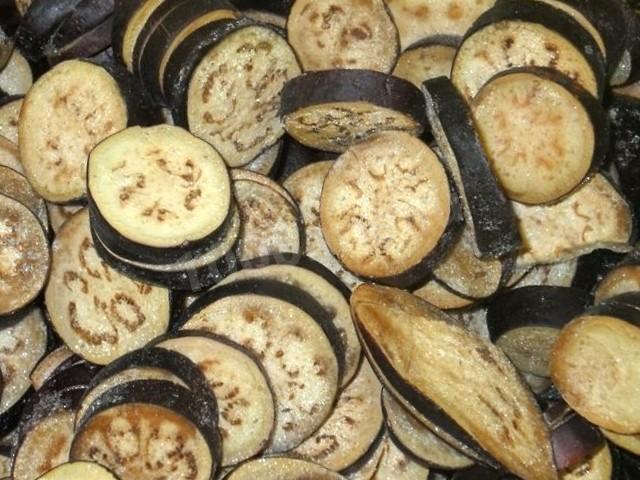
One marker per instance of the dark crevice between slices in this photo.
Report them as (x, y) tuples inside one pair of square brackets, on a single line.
[(296, 156)]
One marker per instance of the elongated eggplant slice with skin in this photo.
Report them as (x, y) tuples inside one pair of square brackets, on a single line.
[(491, 220), (526, 321), (55, 157), (397, 464), (272, 222), (441, 296), (392, 324), (427, 59), (282, 468), (48, 365), (335, 109), (351, 429), (366, 467), (16, 186), (160, 418), (9, 156), (418, 19), (10, 109), (349, 34), (286, 339), (25, 258), (78, 471), (531, 33), (16, 77), (411, 435), (387, 209), (100, 313), (571, 133), (176, 186), (239, 383)]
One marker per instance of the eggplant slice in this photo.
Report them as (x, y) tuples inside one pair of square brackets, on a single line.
[(598, 467), (59, 214), (630, 443), (622, 279), (66, 113), (16, 186), (16, 77), (441, 296), (9, 156), (367, 466), (481, 398), (327, 34), (397, 464), (553, 275), (282, 468), (426, 59), (78, 471), (334, 109), (49, 365), (10, 109), (99, 313)]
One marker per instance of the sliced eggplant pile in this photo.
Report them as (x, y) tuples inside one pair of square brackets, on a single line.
[(334, 109), (431, 57), (78, 471), (439, 295)]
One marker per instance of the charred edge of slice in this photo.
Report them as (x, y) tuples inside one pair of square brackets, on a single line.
[(85, 17), (188, 404), (492, 219), (89, 44), (281, 291), (367, 456), (553, 19), (315, 89)]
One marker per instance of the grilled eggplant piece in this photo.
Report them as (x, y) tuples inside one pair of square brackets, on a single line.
[(571, 136), (593, 217), (527, 33), (78, 471), (61, 123), (490, 219), (594, 366), (10, 108), (326, 35), (525, 322), (429, 58), (178, 189), (494, 411), (16, 77), (335, 109), (9, 156), (351, 429), (282, 468), (16, 186), (99, 313)]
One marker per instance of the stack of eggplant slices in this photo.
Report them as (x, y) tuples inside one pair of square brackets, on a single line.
[(319, 240)]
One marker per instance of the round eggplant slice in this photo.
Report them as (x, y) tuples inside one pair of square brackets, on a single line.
[(292, 346), (594, 216), (411, 435), (441, 296), (470, 389), (157, 193), (16, 186), (78, 471), (327, 34), (335, 109), (149, 429), (271, 220), (16, 77), (24, 258), (387, 209), (543, 133), (397, 464), (49, 365), (282, 468), (10, 109), (305, 186), (594, 365), (99, 313), (59, 214), (239, 383), (630, 443), (622, 279), (351, 429), (424, 61), (525, 322), (9, 156), (66, 113), (418, 19)]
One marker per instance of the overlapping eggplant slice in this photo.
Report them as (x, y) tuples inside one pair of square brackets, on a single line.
[(562, 274), (486, 406), (16, 76), (49, 365), (427, 58), (439, 295), (78, 471), (398, 464), (268, 162)]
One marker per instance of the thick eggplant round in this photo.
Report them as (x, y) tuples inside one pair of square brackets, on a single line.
[(129, 18), (429, 58), (335, 109), (387, 209), (282, 468), (624, 278), (78, 471)]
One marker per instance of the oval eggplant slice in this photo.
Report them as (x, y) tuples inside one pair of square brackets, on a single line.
[(487, 402), (65, 114), (78, 471), (305, 186), (271, 220), (170, 199), (48, 365), (594, 216), (239, 383), (427, 59), (387, 210), (519, 33), (335, 109), (99, 313), (164, 433), (411, 435), (418, 19), (10, 109), (536, 124), (595, 368), (282, 468), (351, 429), (16, 186), (9, 156), (25, 258), (294, 350), (327, 35), (16, 77), (398, 465)]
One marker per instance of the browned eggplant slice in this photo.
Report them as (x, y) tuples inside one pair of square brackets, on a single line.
[(326, 35), (351, 429), (16, 77), (397, 464), (16, 186), (335, 109), (78, 471), (10, 109), (387, 209), (282, 468), (623, 278), (539, 125), (486, 403), (426, 59), (99, 313)]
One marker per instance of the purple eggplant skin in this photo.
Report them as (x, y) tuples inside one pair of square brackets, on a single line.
[(123, 11), (87, 45), (87, 15)]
